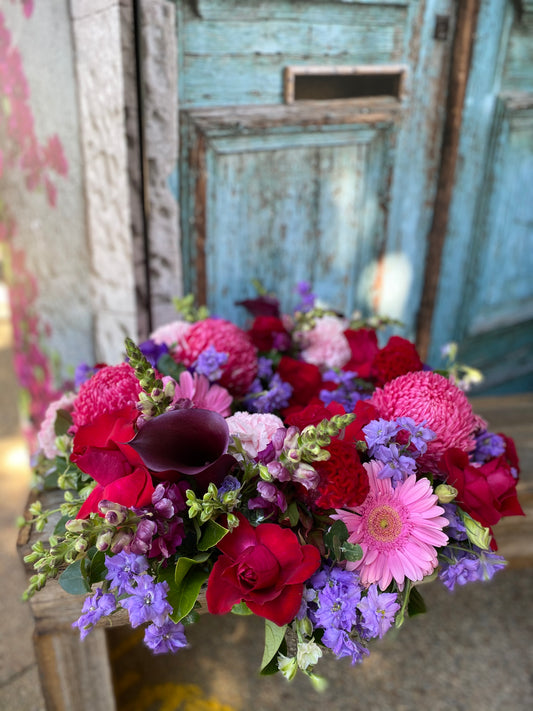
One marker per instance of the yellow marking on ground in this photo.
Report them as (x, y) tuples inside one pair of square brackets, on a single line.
[(173, 697), (126, 645)]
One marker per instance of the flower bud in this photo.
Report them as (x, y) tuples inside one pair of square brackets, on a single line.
[(76, 525), (288, 666), (104, 541), (264, 473), (120, 540), (446, 493), (477, 534), (81, 545)]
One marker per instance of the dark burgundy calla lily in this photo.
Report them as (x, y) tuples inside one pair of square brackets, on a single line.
[(261, 306), (190, 442)]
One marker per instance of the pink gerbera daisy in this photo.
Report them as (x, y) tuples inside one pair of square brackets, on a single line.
[(397, 528), (202, 393)]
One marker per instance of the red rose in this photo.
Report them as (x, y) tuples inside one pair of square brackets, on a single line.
[(132, 490), (364, 346), (304, 378), (487, 492), (314, 413), (265, 567), (100, 449), (268, 332), (397, 358), (343, 479)]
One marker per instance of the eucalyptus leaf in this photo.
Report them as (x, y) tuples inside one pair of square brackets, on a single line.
[(274, 636), (73, 581), (351, 552), (212, 533)]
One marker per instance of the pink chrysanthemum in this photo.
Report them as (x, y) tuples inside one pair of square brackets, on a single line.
[(240, 368), (202, 394), (431, 398), (397, 528), (254, 430), (170, 334), (326, 345), (111, 388)]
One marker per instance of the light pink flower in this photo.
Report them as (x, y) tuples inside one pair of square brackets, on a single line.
[(171, 334), (325, 345), (46, 435), (398, 529), (255, 431), (430, 398), (202, 394)]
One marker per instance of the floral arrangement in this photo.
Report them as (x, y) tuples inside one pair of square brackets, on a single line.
[(297, 471)]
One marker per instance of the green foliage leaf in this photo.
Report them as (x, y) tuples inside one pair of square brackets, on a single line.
[(294, 514), (183, 566), (241, 609), (59, 528), (96, 569), (183, 596), (416, 604), (335, 539), (272, 666), (166, 365), (274, 636), (351, 552), (212, 533), (73, 581), (62, 423)]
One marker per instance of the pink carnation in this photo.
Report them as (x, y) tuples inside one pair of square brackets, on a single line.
[(202, 394), (431, 398), (111, 388), (240, 368), (326, 345), (171, 334), (47, 435), (255, 431)]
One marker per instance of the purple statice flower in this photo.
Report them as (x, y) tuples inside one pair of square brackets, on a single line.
[(378, 612), (419, 435), (307, 298), (488, 446), (153, 351), (342, 645), (274, 396), (146, 601), (230, 483), (210, 362), (94, 608), (397, 467), (347, 394), (459, 568), (379, 432), (168, 637), (122, 569), (456, 528)]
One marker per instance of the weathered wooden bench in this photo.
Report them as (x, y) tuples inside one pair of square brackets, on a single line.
[(76, 676)]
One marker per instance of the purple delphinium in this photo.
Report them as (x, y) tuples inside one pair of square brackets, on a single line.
[(94, 608), (210, 362), (274, 396), (83, 372), (458, 568), (122, 569), (265, 368), (488, 446), (337, 606), (379, 432), (398, 466), (342, 645), (419, 435), (168, 637), (378, 612), (146, 601), (347, 394)]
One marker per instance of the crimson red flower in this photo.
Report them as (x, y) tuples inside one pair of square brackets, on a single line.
[(398, 357), (134, 490), (487, 492), (343, 479), (304, 378), (265, 567), (100, 448), (364, 346), (268, 332)]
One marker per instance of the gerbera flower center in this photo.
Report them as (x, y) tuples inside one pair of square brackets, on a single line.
[(384, 523)]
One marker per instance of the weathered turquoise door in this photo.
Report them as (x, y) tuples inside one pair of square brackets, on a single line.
[(311, 134)]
